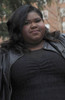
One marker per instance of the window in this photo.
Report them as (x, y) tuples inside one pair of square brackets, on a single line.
[(48, 26), (61, 1), (45, 14), (62, 12), (63, 25), (45, 2)]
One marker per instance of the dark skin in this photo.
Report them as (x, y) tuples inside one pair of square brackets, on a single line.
[(33, 31)]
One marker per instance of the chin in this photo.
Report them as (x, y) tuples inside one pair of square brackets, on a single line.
[(37, 41), (38, 38)]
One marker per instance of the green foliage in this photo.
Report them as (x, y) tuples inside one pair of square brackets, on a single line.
[(3, 30)]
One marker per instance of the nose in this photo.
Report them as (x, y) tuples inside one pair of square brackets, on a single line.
[(33, 25)]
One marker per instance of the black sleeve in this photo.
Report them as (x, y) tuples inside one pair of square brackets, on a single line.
[(0, 72)]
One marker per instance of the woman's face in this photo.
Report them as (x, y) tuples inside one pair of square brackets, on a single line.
[(33, 29)]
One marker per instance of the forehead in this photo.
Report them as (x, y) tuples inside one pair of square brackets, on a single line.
[(32, 15)]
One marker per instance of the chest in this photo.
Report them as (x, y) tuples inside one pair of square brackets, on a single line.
[(38, 62)]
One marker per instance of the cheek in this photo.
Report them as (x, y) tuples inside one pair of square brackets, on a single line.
[(25, 29), (25, 32), (42, 27)]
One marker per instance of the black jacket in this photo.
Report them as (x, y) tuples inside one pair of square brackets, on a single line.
[(7, 59)]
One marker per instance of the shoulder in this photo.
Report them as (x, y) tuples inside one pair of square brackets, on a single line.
[(3, 55), (62, 37)]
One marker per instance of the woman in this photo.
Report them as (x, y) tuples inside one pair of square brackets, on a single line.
[(32, 61)]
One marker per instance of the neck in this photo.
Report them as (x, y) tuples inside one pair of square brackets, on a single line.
[(36, 46)]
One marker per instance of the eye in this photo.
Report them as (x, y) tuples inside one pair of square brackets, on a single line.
[(26, 22), (37, 20)]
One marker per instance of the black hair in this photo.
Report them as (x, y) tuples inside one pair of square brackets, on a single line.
[(15, 25)]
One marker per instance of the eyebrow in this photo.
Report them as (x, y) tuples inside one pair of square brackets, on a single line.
[(32, 19)]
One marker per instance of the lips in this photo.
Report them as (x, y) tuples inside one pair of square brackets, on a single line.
[(34, 31)]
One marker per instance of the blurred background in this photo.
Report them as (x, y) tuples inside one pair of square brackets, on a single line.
[(53, 14)]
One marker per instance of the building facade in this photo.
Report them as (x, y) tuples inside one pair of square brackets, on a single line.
[(54, 15)]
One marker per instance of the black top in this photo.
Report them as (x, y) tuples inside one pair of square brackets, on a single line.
[(38, 75)]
